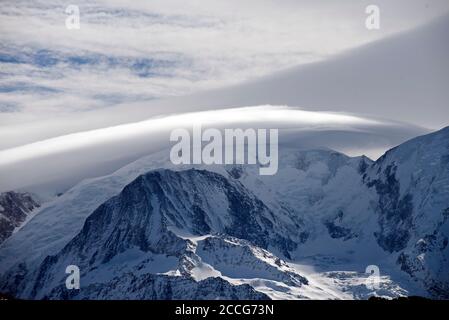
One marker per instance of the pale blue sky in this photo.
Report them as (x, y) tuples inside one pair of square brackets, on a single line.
[(142, 50)]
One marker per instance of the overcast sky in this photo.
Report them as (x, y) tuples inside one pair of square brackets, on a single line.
[(78, 103), (129, 51)]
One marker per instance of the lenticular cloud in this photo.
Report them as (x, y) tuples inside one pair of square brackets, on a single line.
[(60, 162)]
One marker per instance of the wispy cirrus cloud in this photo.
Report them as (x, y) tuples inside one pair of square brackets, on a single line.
[(140, 50)]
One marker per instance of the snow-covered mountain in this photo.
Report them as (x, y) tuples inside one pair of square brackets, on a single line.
[(14, 209), (412, 183), (153, 230)]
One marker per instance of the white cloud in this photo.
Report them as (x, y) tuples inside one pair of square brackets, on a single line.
[(129, 52), (188, 45), (62, 161)]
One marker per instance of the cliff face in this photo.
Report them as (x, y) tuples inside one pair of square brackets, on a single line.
[(14, 209)]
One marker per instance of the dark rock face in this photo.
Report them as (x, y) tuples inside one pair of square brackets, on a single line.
[(395, 212), (139, 218), (337, 231), (364, 164), (161, 287), (435, 245), (412, 182), (14, 208)]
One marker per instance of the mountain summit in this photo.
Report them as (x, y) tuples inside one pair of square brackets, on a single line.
[(153, 230)]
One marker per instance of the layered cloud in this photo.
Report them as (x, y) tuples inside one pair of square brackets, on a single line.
[(72, 101), (141, 50), (53, 165)]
